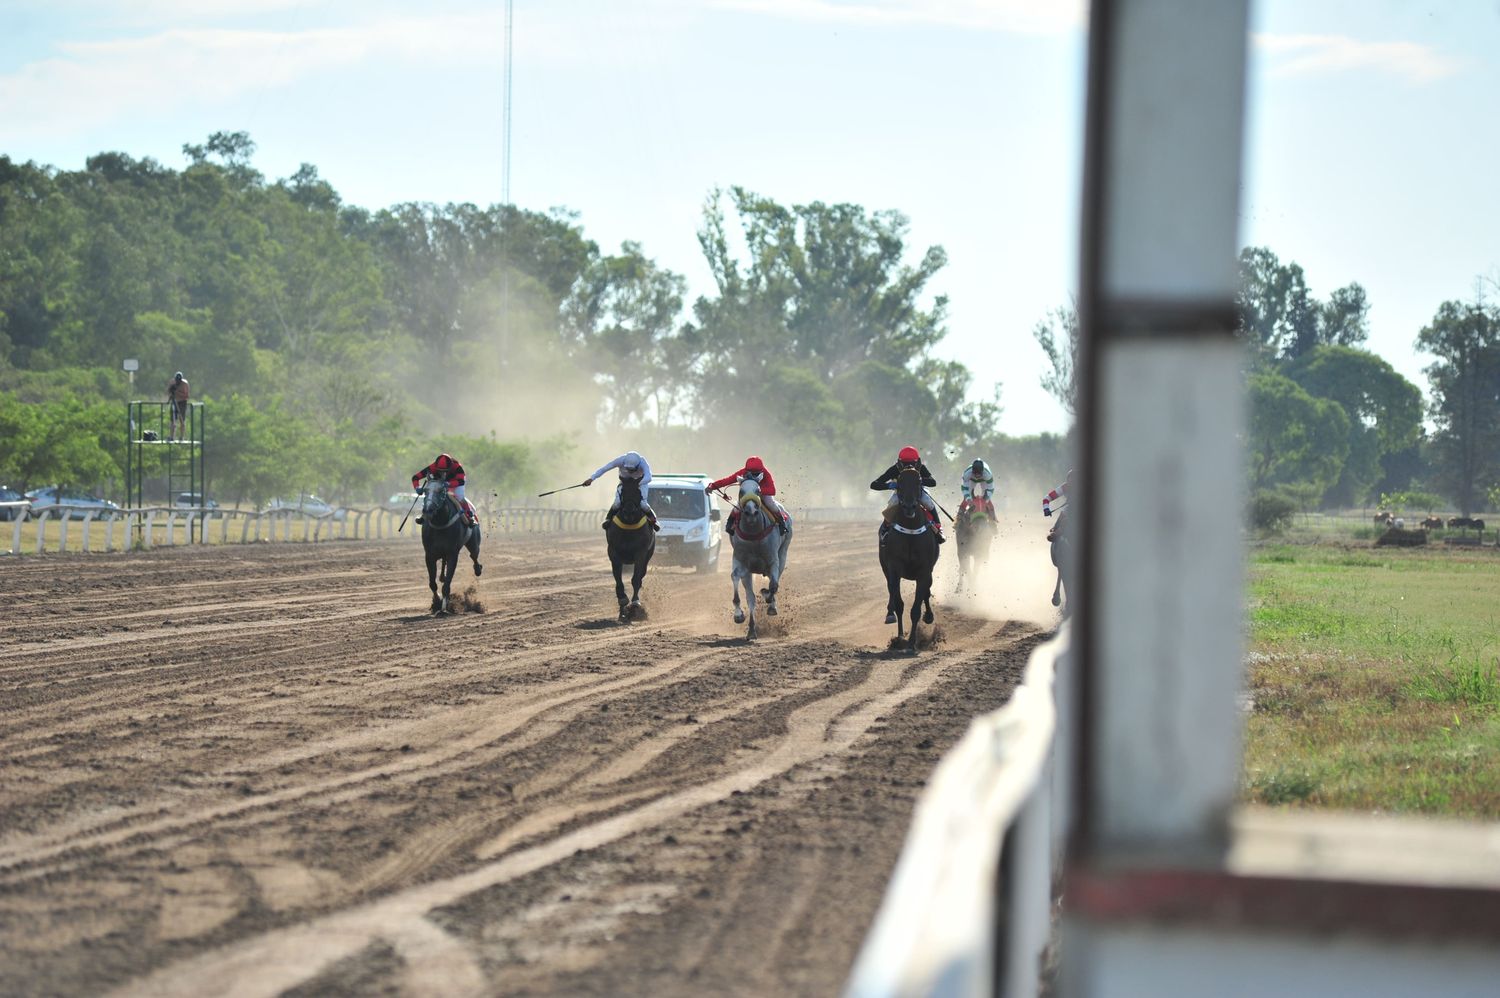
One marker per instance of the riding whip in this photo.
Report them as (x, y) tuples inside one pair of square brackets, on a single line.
[(543, 495), (945, 512), (408, 512)]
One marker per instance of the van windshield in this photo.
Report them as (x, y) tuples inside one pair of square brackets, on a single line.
[(677, 503)]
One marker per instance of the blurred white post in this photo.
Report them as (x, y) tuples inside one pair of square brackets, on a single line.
[(1161, 477)]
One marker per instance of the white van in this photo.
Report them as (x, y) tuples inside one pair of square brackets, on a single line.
[(689, 519)]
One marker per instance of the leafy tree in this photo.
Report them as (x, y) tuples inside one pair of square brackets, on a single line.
[(825, 288), (1384, 409), (1281, 319), (68, 443), (1465, 385), (623, 313), (1294, 437), (1057, 334)]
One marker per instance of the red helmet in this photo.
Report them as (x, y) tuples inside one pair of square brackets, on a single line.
[(754, 464), (908, 454)]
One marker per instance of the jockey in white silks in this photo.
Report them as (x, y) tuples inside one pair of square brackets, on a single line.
[(632, 466)]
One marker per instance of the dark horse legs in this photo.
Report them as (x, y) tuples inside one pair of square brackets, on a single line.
[(637, 576)]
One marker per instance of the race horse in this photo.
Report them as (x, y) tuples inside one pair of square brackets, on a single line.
[(759, 549), (631, 541), (1062, 555), (974, 529), (908, 550), (445, 533)]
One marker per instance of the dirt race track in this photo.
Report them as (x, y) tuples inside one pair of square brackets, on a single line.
[(268, 770)]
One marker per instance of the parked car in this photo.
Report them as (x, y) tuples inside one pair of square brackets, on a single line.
[(75, 503), (194, 500), (308, 504), (8, 494), (689, 534), (400, 502)]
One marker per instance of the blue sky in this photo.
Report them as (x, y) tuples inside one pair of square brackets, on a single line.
[(1371, 145)]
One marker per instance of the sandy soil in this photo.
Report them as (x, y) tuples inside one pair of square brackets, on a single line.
[(268, 770)]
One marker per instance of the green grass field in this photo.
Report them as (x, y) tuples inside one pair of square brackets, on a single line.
[(1375, 678)]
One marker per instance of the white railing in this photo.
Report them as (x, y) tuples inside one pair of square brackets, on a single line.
[(968, 908), (115, 530), (157, 526)]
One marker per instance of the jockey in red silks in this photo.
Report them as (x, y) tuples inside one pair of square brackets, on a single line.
[(756, 471), (1061, 492), (910, 457), (446, 469)]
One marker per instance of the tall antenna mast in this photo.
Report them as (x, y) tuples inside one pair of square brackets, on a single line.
[(505, 148)]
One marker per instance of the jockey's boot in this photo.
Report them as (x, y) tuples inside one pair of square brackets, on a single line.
[(471, 513), (937, 526), (610, 516), (729, 524), (651, 515)]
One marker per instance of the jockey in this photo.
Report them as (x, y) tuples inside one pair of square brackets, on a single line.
[(979, 472), (632, 466), (911, 458), (1061, 492), (446, 469), (756, 471)]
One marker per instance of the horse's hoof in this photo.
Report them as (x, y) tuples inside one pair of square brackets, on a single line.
[(1056, 601), (771, 609), (478, 570), (927, 617), (890, 618), (739, 616)]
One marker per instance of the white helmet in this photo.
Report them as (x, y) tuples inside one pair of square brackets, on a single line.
[(632, 461)]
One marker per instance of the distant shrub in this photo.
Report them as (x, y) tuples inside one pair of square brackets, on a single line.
[(1272, 511)]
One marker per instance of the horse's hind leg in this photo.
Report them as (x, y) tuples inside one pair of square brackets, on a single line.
[(750, 603), (474, 551), (637, 579)]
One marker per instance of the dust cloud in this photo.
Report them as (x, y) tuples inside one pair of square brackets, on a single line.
[(1015, 584)]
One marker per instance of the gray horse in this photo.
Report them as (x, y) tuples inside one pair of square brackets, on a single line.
[(759, 549)]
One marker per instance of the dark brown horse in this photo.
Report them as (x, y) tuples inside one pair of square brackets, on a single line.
[(908, 550), (631, 541), (446, 532)]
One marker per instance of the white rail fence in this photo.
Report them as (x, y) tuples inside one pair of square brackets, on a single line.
[(968, 911), (122, 530)]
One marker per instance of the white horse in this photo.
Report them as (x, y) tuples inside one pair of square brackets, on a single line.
[(759, 549)]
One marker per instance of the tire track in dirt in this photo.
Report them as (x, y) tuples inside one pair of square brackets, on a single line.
[(287, 958)]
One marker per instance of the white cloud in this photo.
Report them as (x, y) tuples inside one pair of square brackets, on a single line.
[(91, 82), (1018, 16), (1304, 55)]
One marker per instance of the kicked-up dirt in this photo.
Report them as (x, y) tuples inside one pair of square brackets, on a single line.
[(269, 770)]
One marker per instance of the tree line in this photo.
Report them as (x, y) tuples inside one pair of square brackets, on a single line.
[(341, 347), (1331, 424)]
